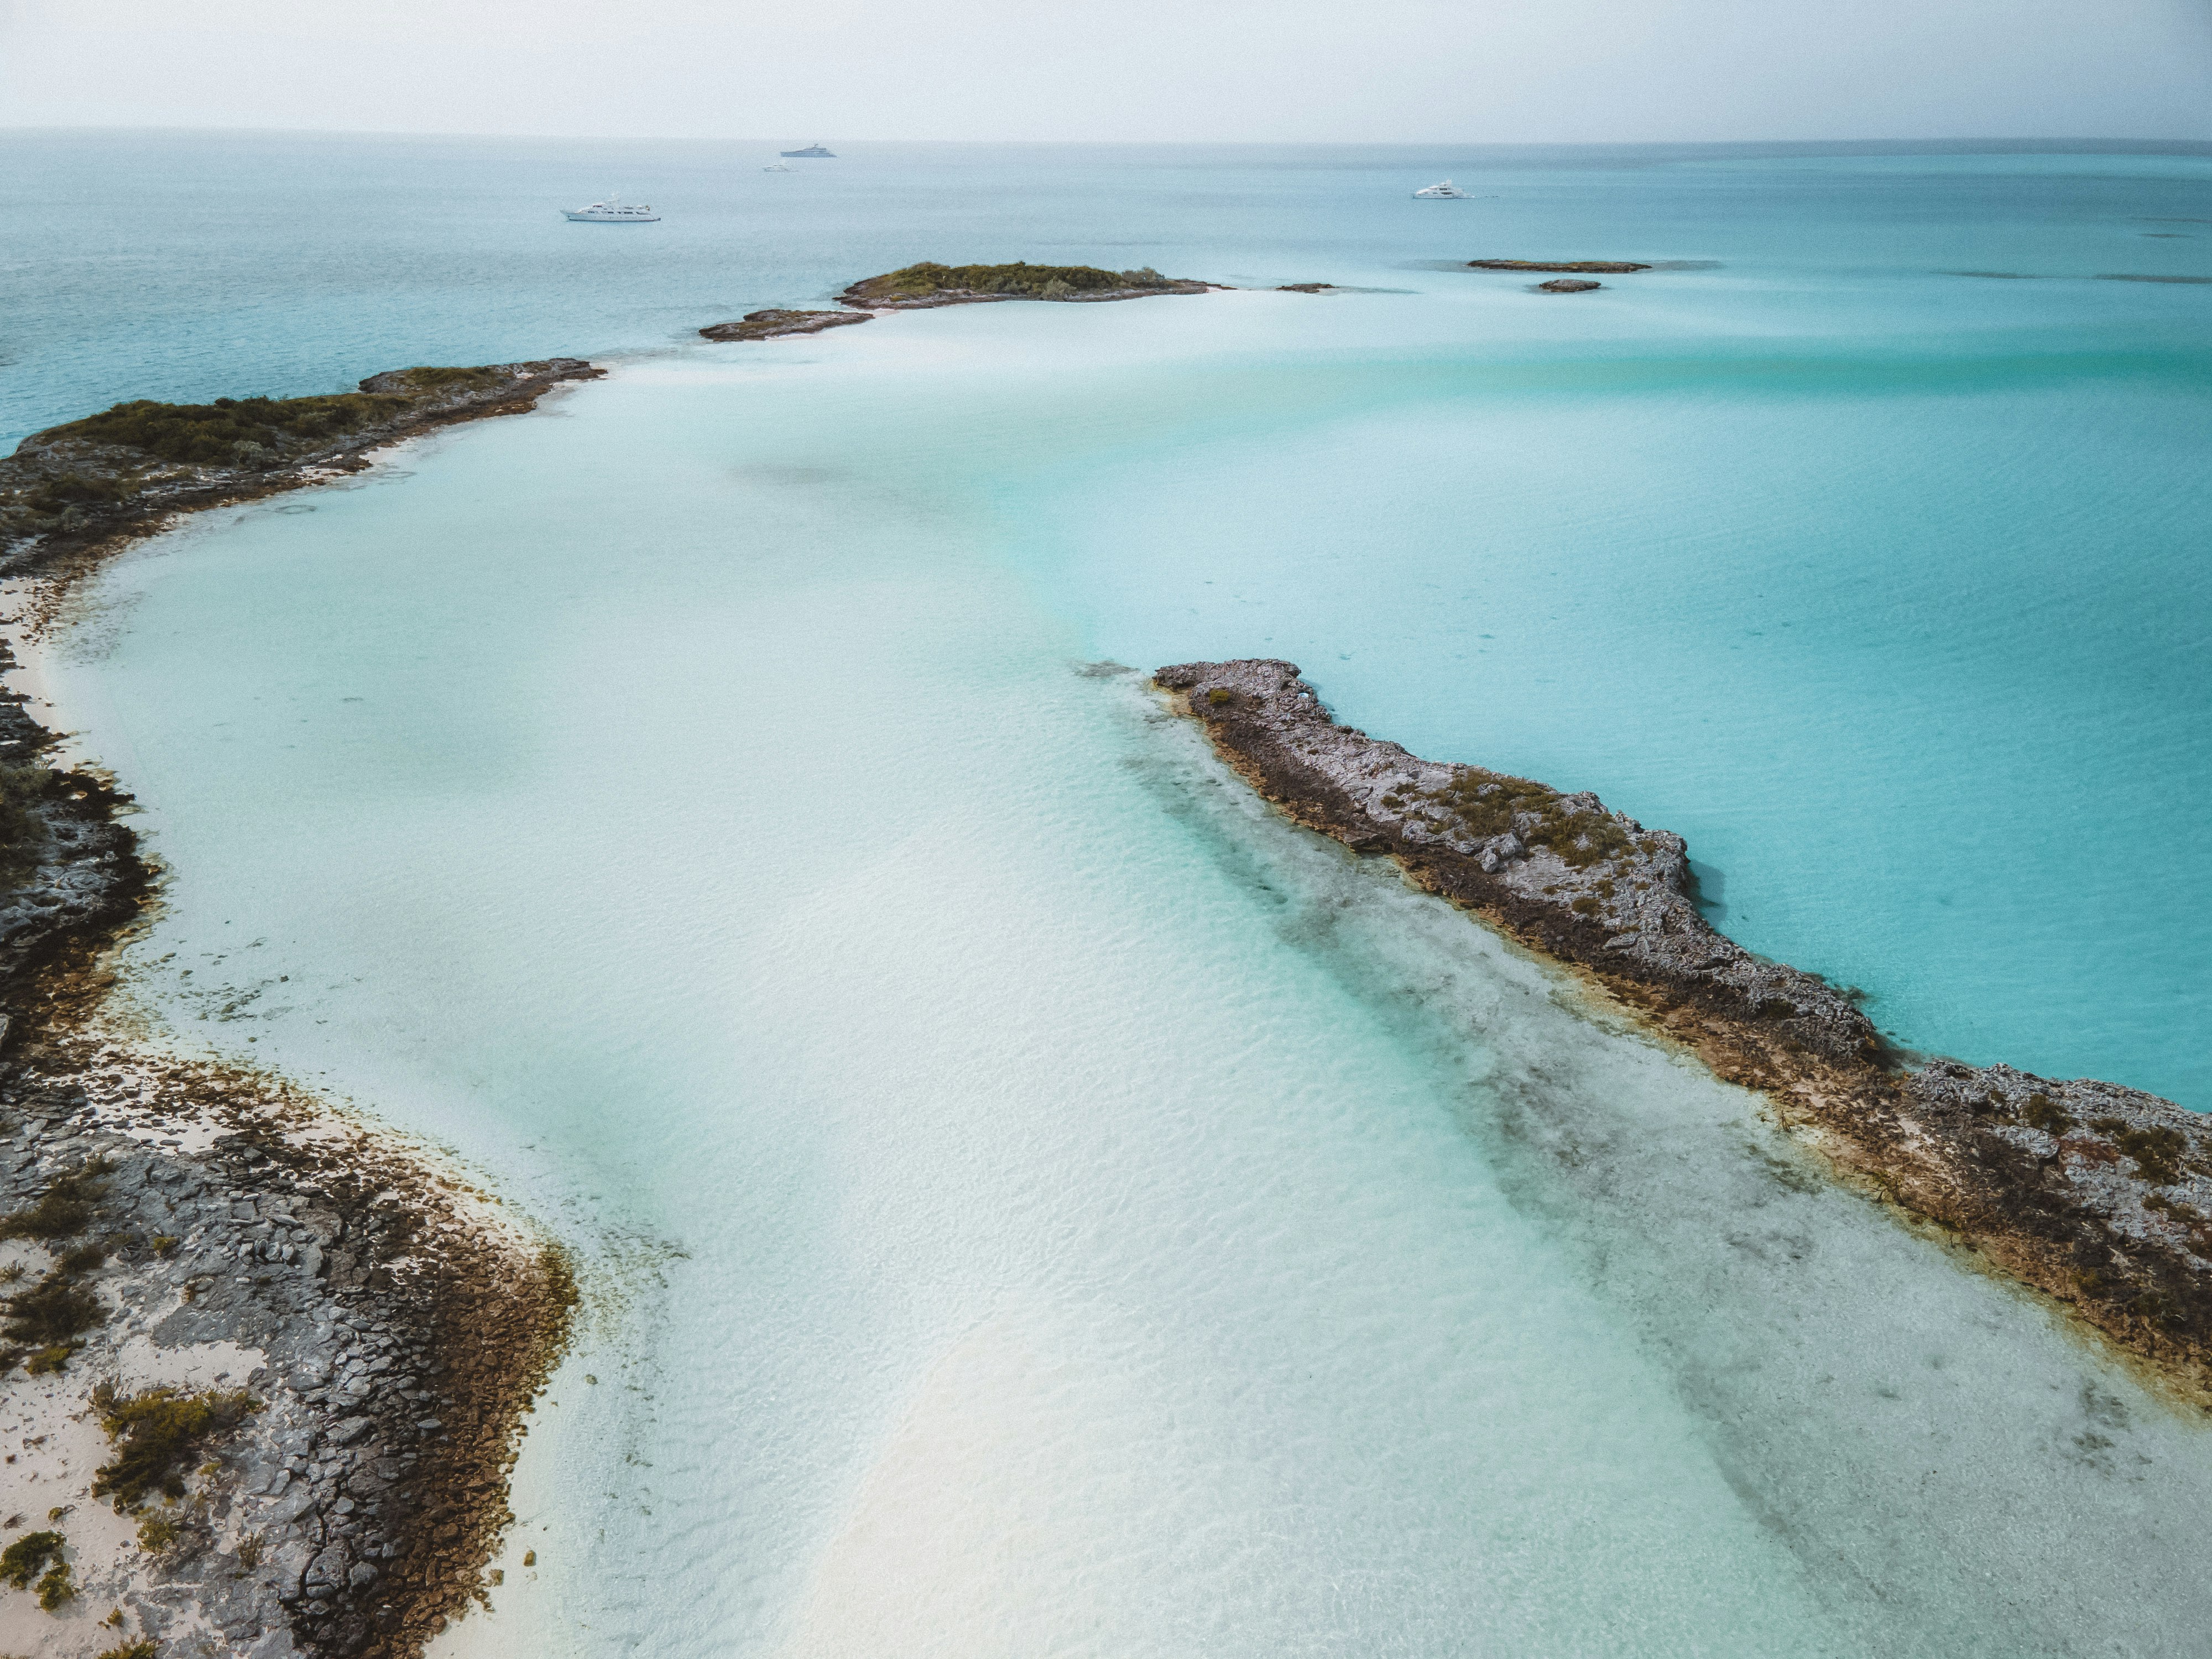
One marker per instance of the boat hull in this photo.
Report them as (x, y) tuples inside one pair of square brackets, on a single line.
[(612, 218)]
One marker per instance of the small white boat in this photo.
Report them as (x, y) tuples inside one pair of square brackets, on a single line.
[(813, 152), (775, 166), (1446, 191), (611, 212)]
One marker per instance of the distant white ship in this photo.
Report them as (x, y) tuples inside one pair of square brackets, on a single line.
[(775, 166), (611, 212), (1446, 191), (813, 152)]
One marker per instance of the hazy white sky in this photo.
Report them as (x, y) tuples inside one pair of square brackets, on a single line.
[(1326, 69)]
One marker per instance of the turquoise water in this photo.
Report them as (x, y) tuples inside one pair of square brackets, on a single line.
[(1033, 1201), (1883, 585)]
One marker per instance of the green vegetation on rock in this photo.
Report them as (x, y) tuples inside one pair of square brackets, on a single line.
[(65, 1208), (230, 431), (159, 1433), (20, 1563), (1484, 803), (22, 831), (1027, 280), (2042, 1112), (241, 431)]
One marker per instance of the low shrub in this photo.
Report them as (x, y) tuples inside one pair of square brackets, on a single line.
[(66, 1207), (56, 1310), (231, 431), (59, 495), (55, 1590), (2157, 1152), (21, 1561), (158, 1434), (2042, 1112)]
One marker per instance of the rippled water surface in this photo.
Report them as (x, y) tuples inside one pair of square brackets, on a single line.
[(1035, 1202)]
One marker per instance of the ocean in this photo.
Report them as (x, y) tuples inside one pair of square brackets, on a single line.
[(1031, 1199)]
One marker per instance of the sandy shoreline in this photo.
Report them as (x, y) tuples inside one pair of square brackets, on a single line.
[(370, 1329)]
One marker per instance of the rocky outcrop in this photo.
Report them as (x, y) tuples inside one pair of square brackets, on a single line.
[(77, 488), (1566, 285), (374, 1332), (2098, 1195), (780, 324), (153, 1209), (388, 1342), (1597, 267), (921, 287)]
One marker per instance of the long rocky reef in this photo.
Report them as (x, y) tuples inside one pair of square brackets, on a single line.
[(77, 488), (2097, 1195)]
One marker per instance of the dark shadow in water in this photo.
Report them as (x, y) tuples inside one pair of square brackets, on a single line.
[(1710, 893), (2130, 276)]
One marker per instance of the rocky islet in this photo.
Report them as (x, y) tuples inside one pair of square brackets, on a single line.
[(2099, 1196)]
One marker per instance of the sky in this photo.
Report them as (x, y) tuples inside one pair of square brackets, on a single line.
[(1280, 70)]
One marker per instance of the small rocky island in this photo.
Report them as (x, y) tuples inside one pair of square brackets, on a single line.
[(918, 287), (1567, 285), (78, 487), (263, 1371), (1584, 267), (922, 287), (2098, 1195)]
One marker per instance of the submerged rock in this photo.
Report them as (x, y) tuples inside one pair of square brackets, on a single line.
[(777, 324), (1566, 285)]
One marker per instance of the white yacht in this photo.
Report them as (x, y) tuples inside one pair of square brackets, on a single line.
[(775, 166), (1446, 191), (611, 212), (813, 152)]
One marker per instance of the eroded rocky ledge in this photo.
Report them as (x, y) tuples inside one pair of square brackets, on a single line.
[(2098, 1195)]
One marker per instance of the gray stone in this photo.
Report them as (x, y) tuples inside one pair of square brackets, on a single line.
[(326, 1573)]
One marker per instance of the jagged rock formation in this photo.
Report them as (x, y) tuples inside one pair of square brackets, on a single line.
[(2099, 1196)]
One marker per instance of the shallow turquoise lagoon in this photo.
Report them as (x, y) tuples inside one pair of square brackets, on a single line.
[(1035, 1201)]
